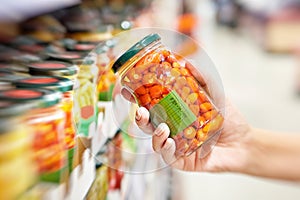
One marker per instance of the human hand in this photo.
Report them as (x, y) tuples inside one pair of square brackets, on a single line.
[(228, 154)]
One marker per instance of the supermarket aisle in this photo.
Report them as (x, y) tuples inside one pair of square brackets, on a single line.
[(261, 85)]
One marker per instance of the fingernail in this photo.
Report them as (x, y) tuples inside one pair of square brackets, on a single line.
[(160, 129), (138, 115), (167, 146)]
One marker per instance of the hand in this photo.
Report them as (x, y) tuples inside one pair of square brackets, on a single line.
[(229, 153)]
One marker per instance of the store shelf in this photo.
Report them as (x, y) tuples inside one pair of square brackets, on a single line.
[(82, 177)]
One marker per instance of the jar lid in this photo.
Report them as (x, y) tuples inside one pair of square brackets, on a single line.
[(132, 51), (41, 97), (52, 68), (49, 82), (81, 47), (66, 56)]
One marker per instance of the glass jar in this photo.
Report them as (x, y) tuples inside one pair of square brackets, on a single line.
[(85, 98), (65, 86), (17, 169), (99, 188), (54, 68), (106, 77), (15, 69), (46, 121), (172, 90)]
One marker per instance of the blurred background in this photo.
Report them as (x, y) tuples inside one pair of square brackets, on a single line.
[(255, 45)]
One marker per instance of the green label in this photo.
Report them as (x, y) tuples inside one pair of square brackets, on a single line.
[(84, 124), (58, 176), (70, 158), (174, 112), (106, 95)]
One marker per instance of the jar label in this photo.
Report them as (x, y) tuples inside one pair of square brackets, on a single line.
[(58, 176), (174, 112)]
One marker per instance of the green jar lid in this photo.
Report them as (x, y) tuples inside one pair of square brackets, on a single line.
[(132, 51), (49, 82), (70, 57), (41, 98), (52, 68)]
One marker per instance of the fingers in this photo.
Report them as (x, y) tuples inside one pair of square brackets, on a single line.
[(142, 120), (163, 144), (160, 136), (168, 151), (127, 95)]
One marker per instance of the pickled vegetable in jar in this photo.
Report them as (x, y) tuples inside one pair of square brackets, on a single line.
[(65, 86), (107, 78), (173, 91), (99, 188), (46, 121), (15, 151), (85, 98)]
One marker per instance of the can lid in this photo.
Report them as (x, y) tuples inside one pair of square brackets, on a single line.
[(135, 49), (52, 68), (49, 82), (41, 97)]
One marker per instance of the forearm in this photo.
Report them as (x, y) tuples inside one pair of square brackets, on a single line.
[(273, 155)]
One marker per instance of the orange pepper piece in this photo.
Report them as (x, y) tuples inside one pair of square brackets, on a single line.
[(165, 53), (192, 83), (155, 91), (202, 97), (145, 99), (210, 114), (205, 107), (141, 91), (201, 136), (171, 59)]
